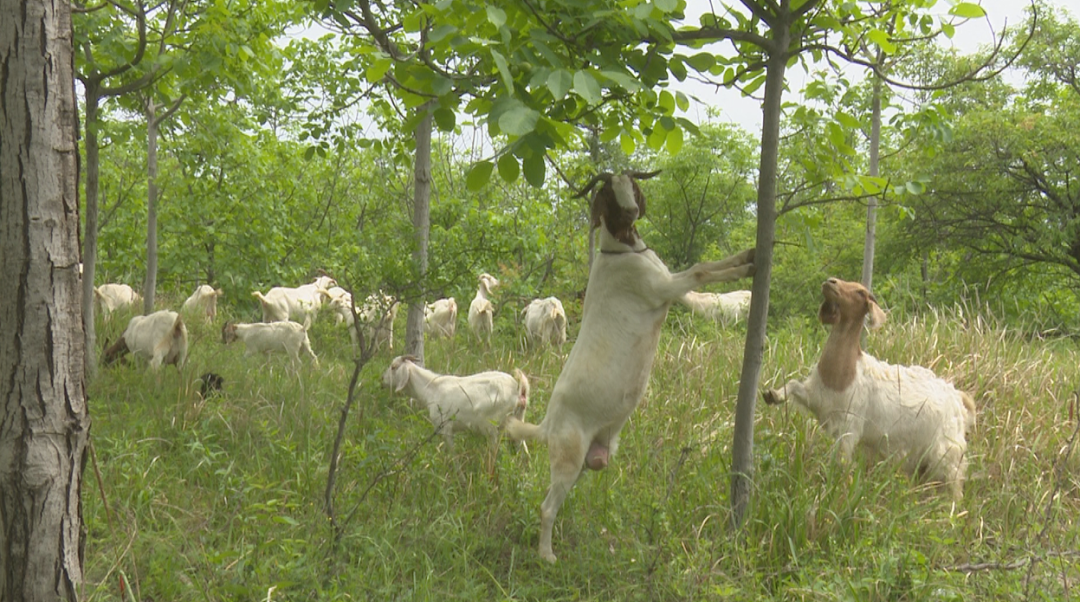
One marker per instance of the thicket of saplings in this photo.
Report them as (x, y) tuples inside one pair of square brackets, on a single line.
[(225, 498)]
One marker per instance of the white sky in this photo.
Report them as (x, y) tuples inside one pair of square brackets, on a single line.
[(746, 112)]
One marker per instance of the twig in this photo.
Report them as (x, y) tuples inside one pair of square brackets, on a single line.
[(101, 484)]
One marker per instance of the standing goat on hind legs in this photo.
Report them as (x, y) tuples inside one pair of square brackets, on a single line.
[(630, 291)]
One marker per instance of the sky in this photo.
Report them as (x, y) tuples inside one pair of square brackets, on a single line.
[(746, 112)]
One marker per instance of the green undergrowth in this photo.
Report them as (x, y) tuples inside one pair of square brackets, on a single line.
[(224, 498)]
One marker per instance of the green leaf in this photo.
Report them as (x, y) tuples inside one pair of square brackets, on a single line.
[(882, 40), (967, 10), (682, 101), (496, 16), (666, 6), (378, 69), (441, 32), (533, 166), (666, 102), (847, 120), (518, 120), (479, 175), (915, 187), (752, 87), (586, 87), (508, 168), (702, 61), (626, 143), (674, 141), (559, 83), (504, 70), (624, 80), (445, 118), (948, 29)]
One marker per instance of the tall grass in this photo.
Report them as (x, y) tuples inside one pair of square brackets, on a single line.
[(222, 499)]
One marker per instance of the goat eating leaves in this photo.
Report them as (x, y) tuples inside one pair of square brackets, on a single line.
[(629, 293)]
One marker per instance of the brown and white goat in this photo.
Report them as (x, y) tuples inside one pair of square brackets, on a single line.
[(902, 411), (629, 293)]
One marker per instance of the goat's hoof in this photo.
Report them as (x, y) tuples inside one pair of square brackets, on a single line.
[(548, 556), (771, 398)]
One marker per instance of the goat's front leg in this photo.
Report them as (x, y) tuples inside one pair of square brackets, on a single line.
[(794, 390)]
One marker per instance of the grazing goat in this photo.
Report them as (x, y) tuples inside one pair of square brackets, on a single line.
[(545, 322), (727, 308), (262, 337), (204, 301), (160, 337), (629, 293), (112, 297), (481, 310), (440, 318), (888, 410), (480, 402), (376, 316), (282, 303)]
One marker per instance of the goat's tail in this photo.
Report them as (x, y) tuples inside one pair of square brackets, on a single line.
[(523, 390), (969, 410), (307, 322), (260, 297), (97, 293)]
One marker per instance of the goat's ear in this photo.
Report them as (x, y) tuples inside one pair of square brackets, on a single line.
[(401, 377), (829, 312), (875, 318), (600, 206)]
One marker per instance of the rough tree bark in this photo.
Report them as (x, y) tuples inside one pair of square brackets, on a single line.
[(43, 415), (414, 325)]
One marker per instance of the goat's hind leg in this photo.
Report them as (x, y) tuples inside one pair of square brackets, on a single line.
[(567, 457)]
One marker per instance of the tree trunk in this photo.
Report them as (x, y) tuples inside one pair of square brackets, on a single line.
[(150, 284), (90, 234), (742, 461), (871, 207), (414, 325), (43, 415)]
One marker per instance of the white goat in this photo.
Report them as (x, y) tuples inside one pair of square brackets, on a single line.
[(160, 337), (282, 303), (888, 410), (481, 310), (440, 318), (481, 402), (727, 308), (263, 337), (629, 293), (204, 301), (112, 297), (376, 316), (545, 322)]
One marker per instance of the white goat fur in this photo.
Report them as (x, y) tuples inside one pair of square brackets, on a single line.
[(629, 293), (903, 411), (440, 318), (283, 303), (545, 322), (160, 337), (377, 316), (264, 337), (112, 297), (480, 402), (727, 308), (204, 301), (481, 310)]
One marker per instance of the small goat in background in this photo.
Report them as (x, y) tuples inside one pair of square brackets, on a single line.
[(440, 318), (160, 337), (726, 308), (545, 322), (480, 402), (271, 337), (203, 301), (112, 297), (481, 310), (904, 411)]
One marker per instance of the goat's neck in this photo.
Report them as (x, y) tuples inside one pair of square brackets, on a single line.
[(610, 244), (420, 378), (841, 354), (483, 291)]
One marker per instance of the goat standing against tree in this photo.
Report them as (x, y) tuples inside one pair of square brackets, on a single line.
[(630, 291)]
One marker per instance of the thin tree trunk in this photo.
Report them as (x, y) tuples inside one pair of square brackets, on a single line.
[(43, 416), (90, 234), (871, 207), (150, 284), (742, 461), (414, 325)]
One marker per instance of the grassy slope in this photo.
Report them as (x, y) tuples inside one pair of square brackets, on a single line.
[(223, 499)]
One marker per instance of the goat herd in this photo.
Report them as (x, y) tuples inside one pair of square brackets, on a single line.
[(889, 411)]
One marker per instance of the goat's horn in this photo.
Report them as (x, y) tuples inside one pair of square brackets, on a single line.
[(643, 175), (600, 177)]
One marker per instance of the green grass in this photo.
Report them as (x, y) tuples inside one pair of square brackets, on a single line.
[(223, 499)]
